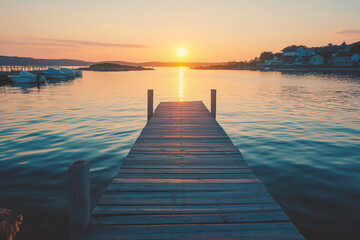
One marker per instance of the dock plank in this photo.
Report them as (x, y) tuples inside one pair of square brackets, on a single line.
[(107, 210), (274, 230), (185, 179)]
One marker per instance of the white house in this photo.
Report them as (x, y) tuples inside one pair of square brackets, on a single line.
[(272, 62), (293, 55), (355, 58), (345, 59)]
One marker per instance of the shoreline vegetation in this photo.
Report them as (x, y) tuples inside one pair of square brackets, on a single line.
[(113, 67)]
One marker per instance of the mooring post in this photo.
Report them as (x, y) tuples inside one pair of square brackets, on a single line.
[(79, 197), (213, 103), (150, 103)]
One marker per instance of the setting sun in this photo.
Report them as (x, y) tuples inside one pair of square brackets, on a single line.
[(181, 52)]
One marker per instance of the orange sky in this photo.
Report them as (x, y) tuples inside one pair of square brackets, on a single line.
[(135, 30)]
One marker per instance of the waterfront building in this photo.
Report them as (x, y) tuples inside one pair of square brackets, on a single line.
[(272, 62), (316, 60), (345, 59), (293, 55)]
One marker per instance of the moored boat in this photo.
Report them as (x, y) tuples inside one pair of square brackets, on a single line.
[(52, 73), (67, 72), (26, 77), (78, 73)]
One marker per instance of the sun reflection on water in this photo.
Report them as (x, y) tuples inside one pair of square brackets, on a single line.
[(181, 82)]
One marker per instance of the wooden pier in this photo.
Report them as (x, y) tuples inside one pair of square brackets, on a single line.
[(185, 179)]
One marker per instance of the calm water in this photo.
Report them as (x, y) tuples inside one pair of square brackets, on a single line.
[(300, 133)]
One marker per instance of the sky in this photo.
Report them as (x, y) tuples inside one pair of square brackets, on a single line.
[(144, 30)]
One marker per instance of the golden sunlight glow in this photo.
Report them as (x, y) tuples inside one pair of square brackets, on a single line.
[(181, 52), (181, 79)]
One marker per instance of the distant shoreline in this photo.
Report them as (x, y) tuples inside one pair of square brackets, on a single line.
[(319, 69)]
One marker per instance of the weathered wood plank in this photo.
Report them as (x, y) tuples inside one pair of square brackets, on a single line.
[(184, 181), (183, 201), (183, 162), (189, 209), (191, 218), (202, 198), (185, 175), (173, 187), (194, 157), (183, 166), (180, 194), (182, 144), (208, 150), (184, 141), (222, 153), (281, 230), (175, 172)]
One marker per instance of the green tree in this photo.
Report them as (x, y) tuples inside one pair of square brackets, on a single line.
[(355, 47), (233, 63), (266, 56), (278, 55)]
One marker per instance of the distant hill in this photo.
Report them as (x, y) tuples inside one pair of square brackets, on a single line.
[(25, 61)]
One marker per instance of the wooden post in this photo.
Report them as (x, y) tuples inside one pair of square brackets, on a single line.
[(79, 197), (213, 103), (150, 103)]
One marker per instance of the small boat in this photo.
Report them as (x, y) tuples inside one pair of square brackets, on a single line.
[(67, 72), (78, 73), (52, 73), (267, 69), (26, 77)]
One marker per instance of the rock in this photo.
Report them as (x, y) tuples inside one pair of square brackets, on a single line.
[(9, 223)]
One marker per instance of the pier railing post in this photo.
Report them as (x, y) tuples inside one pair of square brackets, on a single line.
[(213, 103), (150, 104), (79, 197)]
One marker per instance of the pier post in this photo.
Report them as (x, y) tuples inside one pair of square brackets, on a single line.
[(150, 104), (79, 197), (213, 103)]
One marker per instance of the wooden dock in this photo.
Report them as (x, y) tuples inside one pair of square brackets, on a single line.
[(185, 179)]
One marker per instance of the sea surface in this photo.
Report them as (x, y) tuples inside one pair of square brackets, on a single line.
[(299, 132)]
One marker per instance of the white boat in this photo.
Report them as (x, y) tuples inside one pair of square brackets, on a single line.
[(52, 73), (26, 77), (78, 73), (68, 72), (267, 69)]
